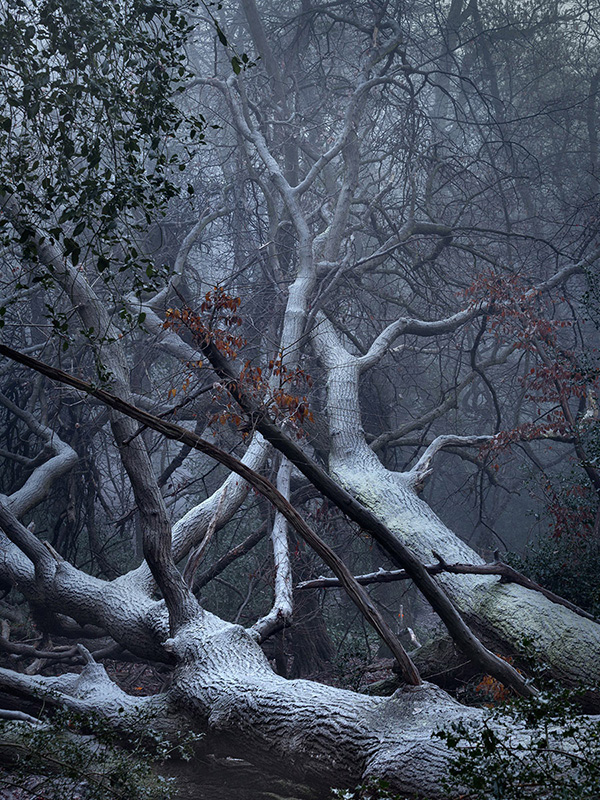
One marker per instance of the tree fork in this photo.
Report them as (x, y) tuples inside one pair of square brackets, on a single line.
[(264, 486), (403, 557)]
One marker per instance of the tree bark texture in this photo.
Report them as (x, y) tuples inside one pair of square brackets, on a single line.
[(508, 617)]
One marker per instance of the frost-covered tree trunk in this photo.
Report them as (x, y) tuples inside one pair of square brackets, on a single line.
[(358, 232), (507, 616), (224, 687)]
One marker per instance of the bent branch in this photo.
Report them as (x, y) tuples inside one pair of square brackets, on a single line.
[(172, 431), (507, 574)]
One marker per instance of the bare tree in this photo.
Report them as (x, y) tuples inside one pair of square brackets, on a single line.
[(394, 194)]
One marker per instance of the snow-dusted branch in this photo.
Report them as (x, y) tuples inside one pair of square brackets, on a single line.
[(405, 326), (410, 228), (351, 117), (422, 469), (197, 555), (40, 556), (19, 716), (234, 92), (565, 273), (168, 340), (450, 401), (90, 691), (159, 299), (237, 551), (507, 573), (281, 612), (414, 327), (37, 485), (121, 608), (190, 528), (332, 236)]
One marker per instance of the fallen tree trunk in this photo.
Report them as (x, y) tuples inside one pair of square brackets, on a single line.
[(224, 687), (508, 617), (224, 678), (225, 692)]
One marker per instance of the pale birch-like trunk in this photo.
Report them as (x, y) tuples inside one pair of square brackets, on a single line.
[(224, 687), (508, 617)]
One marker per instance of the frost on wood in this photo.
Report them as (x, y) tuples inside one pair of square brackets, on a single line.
[(376, 199)]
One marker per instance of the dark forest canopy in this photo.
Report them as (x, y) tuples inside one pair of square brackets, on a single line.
[(292, 290)]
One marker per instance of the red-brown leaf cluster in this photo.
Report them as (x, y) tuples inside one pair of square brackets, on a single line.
[(280, 399)]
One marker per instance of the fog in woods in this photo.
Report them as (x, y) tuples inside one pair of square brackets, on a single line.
[(299, 439)]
